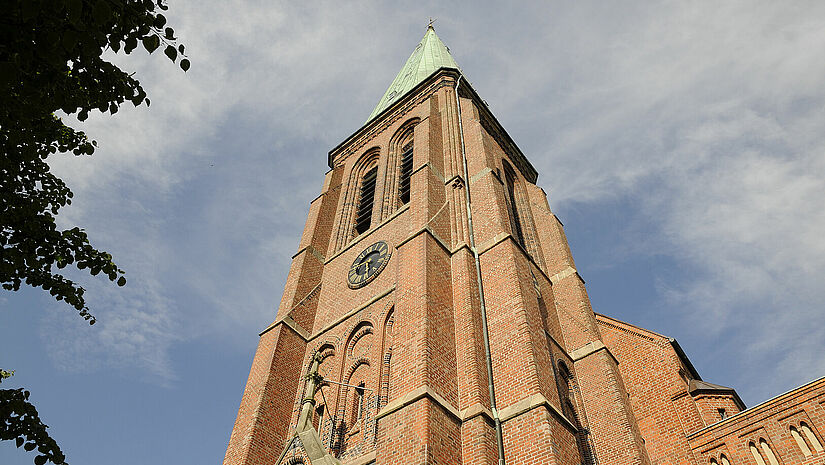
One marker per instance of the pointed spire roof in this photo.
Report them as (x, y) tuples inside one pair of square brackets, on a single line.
[(428, 57)]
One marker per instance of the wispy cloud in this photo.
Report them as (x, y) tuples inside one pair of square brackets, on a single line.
[(710, 119)]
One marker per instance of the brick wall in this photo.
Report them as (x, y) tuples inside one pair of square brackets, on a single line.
[(571, 387)]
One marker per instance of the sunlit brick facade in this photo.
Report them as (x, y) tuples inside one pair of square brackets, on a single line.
[(387, 359)]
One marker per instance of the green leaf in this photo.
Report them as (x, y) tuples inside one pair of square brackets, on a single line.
[(30, 10), (19, 442), (151, 43), (69, 40), (171, 52), (131, 44), (29, 446), (169, 33), (121, 281), (180, 49), (101, 12), (75, 8), (40, 460), (159, 21), (184, 64)]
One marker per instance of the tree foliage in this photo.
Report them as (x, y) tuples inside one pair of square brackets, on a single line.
[(52, 60), (20, 422)]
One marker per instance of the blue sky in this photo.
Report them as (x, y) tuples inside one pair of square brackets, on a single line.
[(681, 143)]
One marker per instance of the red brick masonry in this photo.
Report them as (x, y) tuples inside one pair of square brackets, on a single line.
[(571, 387)]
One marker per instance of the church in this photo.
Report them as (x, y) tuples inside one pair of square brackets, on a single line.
[(433, 314)]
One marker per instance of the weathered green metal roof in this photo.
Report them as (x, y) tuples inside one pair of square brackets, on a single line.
[(430, 55)]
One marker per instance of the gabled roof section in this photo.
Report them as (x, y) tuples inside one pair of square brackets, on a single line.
[(428, 57), (696, 387), (650, 336)]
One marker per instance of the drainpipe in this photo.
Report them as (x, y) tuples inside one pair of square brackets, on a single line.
[(484, 329)]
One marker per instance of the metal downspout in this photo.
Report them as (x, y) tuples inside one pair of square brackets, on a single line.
[(485, 330)]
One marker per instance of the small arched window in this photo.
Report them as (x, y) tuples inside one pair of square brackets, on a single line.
[(358, 406), (724, 460), (713, 462), (363, 218), (510, 200), (406, 168), (806, 451), (809, 434), (756, 454), (766, 448)]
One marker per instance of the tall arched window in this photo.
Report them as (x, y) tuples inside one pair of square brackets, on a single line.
[(756, 454), (564, 383), (363, 218), (806, 451), (809, 434), (406, 168), (384, 392), (357, 408), (772, 460), (510, 199)]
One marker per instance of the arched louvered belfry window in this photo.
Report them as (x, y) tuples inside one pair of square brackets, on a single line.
[(363, 218), (405, 167), (724, 460), (510, 199)]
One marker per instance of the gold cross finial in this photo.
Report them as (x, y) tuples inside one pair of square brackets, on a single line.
[(430, 26)]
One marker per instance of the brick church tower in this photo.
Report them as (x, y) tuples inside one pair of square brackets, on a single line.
[(433, 314)]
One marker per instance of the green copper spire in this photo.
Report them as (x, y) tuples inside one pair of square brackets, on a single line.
[(430, 55)]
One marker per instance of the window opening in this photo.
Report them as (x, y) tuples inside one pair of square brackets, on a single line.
[(722, 413), (806, 451), (566, 397), (319, 418), (768, 452), (811, 437), (724, 460), (359, 392), (756, 454), (364, 216), (406, 173), (510, 200)]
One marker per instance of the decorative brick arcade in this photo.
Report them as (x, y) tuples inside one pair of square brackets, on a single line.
[(433, 314)]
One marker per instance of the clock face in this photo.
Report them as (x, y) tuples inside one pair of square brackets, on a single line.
[(368, 264)]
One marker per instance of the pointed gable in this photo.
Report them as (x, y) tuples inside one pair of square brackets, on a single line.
[(428, 57)]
